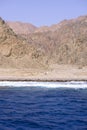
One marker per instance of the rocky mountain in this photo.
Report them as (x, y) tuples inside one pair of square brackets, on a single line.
[(63, 43), (21, 28), (15, 51)]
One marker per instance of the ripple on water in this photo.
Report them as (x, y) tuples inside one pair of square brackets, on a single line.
[(43, 108)]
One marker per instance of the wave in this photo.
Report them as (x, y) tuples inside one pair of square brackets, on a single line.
[(70, 84)]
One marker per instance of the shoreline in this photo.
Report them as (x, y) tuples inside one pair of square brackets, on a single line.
[(42, 80), (44, 84)]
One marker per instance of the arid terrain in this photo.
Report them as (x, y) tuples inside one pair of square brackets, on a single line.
[(54, 73), (58, 52)]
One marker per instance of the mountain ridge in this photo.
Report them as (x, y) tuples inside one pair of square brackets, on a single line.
[(63, 43), (21, 28)]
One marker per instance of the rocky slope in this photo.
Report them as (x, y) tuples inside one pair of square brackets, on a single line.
[(21, 28), (15, 51), (63, 43)]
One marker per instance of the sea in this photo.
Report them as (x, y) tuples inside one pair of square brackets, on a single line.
[(43, 105)]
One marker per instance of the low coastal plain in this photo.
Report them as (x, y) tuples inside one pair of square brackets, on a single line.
[(54, 73)]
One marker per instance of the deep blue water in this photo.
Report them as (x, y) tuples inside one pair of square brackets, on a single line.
[(33, 108)]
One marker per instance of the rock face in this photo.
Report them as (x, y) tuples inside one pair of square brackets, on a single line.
[(63, 43), (15, 51)]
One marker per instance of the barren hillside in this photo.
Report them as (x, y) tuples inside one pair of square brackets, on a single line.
[(21, 28), (63, 43), (15, 51)]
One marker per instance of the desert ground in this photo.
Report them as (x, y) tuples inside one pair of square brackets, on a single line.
[(54, 73)]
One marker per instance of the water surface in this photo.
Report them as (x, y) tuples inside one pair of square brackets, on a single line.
[(43, 108)]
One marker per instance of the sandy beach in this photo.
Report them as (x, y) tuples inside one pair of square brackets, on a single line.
[(57, 73)]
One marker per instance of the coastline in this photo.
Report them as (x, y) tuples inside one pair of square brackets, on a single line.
[(59, 73), (43, 80)]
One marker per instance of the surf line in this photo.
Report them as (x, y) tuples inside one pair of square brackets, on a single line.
[(69, 84)]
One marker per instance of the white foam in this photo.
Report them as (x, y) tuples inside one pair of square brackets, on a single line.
[(72, 84)]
